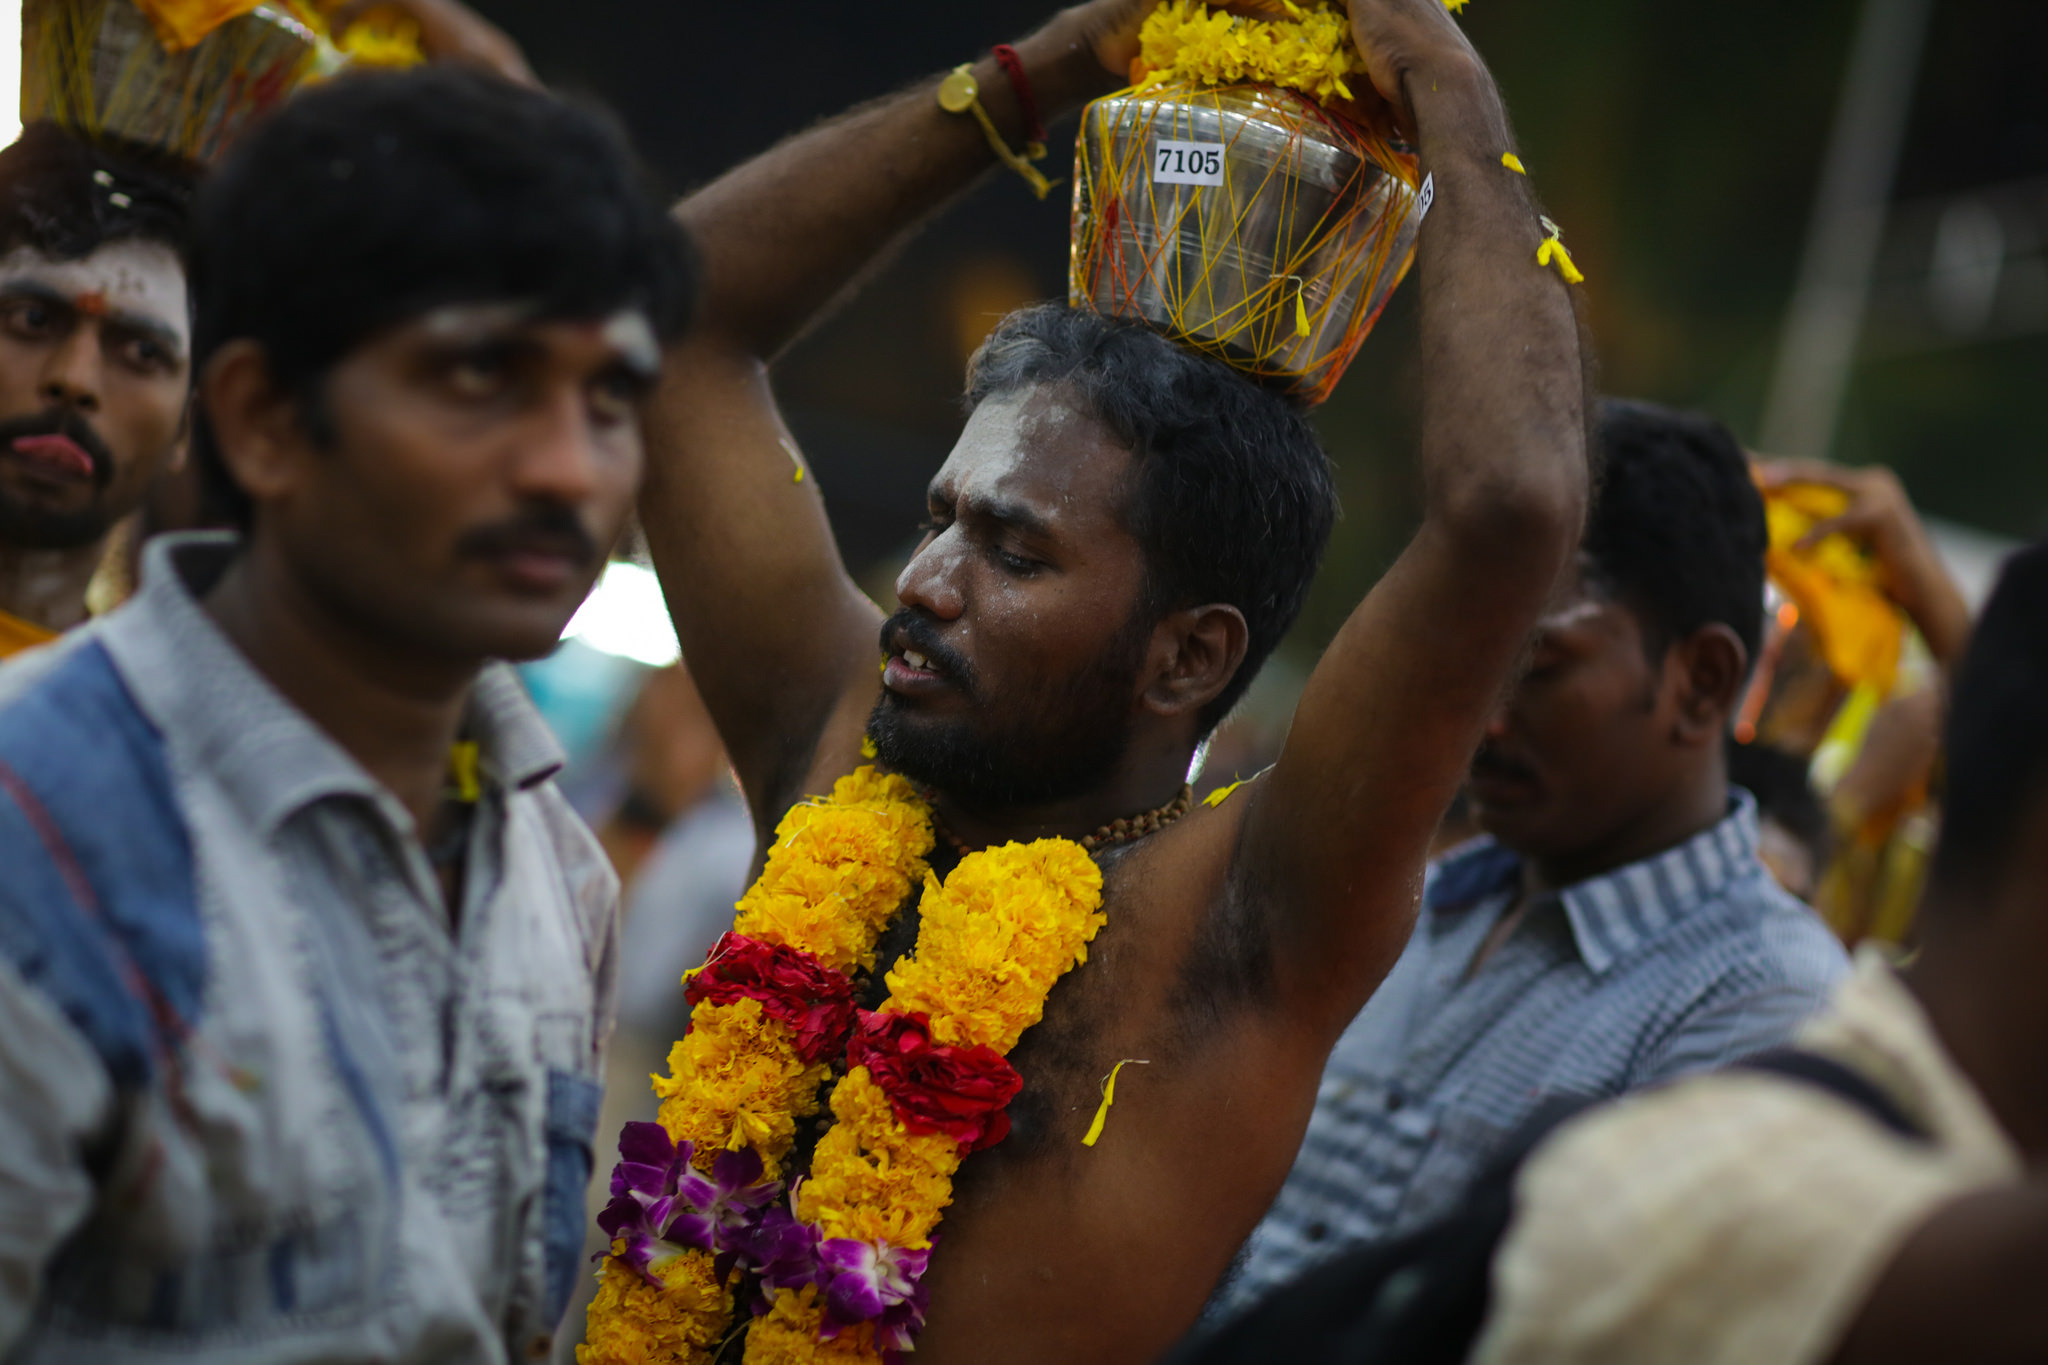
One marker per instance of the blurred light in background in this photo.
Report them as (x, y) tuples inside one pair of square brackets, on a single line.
[(10, 71), (625, 615)]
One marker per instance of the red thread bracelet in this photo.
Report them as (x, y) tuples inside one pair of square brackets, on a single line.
[(1013, 67)]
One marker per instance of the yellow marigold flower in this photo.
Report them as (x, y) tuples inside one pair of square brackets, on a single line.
[(873, 1179), (633, 1323), (788, 1334), (735, 1080), (840, 869), (1006, 925), (1310, 51)]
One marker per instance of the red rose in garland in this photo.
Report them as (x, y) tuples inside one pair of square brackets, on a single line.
[(958, 1091), (791, 984)]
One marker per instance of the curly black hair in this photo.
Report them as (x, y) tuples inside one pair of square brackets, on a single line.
[(373, 199), (1677, 527), (1233, 498), (66, 194)]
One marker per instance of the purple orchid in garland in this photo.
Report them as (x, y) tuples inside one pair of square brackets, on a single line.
[(873, 1282), (660, 1201), (714, 1211), (780, 1249)]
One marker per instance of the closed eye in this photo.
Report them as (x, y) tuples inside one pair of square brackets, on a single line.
[(1014, 562)]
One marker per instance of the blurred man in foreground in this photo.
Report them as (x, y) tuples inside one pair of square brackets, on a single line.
[(1617, 926), (95, 360), (306, 976), (1748, 1218)]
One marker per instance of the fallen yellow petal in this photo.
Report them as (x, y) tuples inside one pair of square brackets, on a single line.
[(1108, 1098), (463, 763), (1553, 250), (1216, 798)]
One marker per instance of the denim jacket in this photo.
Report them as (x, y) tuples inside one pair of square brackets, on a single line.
[(260, 1100)]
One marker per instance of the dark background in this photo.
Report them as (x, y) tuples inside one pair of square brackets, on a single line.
[(1677, 141)]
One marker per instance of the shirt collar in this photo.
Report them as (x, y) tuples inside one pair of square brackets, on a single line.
[(1614, 913), (271, 759)]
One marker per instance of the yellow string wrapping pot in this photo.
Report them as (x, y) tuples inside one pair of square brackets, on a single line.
[(187, 76), (1282, 266), (98, 66)]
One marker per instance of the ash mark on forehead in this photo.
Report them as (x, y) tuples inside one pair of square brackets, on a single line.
[(627, 331), (143, 279), (1035, 442)]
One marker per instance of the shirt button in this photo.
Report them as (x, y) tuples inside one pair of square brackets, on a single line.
[(1316, 1232), (541, 1347)]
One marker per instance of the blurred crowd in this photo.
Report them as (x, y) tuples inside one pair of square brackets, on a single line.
[(334, 949)]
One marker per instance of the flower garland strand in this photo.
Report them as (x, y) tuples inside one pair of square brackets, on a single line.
[(926, 1084), (698, 1197), (772, 1001)]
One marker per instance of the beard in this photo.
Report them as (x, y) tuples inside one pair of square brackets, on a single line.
[(1038, 741), (37, 528)]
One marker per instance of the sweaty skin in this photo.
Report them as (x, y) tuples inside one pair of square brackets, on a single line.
[(1241, 939)]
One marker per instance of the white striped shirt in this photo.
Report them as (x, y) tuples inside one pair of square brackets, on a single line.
[(1685, 960)]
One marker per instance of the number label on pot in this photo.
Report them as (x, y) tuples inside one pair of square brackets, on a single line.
[(1187, 163)]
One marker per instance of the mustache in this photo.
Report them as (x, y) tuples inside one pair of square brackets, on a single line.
[(64, 422), (550, 527), (907, 629), (1489, 761)]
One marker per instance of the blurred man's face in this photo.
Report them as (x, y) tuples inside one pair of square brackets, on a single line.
[(474, 468), (94, 370), (1012, 672), (1584, 745)]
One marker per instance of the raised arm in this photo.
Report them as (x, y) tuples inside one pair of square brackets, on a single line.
[(1335, 842), (782, 644)]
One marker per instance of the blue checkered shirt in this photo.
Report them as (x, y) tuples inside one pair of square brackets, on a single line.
[(1685, 960)]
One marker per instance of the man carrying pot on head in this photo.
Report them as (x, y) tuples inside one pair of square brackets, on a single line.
[(1123, 533)]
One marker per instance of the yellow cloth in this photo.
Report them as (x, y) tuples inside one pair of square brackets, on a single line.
[(17, 635), (180, 24), (1835, 586), (382, 37)]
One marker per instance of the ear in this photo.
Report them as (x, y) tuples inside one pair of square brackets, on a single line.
[(1195, 653), (255, 427), (1710, 665)]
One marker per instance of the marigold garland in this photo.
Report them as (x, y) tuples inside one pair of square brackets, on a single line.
[(927, 1082), (683, 1317), (836, 874), (1310, 51)]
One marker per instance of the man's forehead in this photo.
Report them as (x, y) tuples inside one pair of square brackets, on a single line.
[(1035, 444), (627, 332), (133, 276), (1581, 599)]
